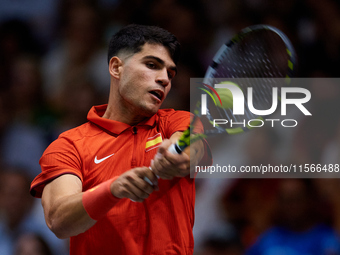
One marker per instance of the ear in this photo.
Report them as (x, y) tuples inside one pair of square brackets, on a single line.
[(115, 65)]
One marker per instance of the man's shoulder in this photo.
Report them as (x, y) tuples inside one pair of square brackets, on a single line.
[(85, 130)]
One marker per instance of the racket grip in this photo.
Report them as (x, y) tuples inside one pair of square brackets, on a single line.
[(174, 149), (147, 179)]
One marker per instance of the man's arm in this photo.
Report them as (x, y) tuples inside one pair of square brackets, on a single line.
[(62, 199), (167, 165), (64, 212)]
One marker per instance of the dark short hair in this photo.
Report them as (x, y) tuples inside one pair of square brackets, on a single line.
[(132, 38)]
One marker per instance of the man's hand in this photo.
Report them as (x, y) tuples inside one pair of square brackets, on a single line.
[(132, 185), (167, 165)]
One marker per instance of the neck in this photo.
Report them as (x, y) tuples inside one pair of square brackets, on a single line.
[(124, 116), (118, 110)]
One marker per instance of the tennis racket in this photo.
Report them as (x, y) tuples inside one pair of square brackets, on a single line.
[(255, 57)]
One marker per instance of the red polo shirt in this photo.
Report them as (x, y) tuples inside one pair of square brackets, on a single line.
[(102, 149)]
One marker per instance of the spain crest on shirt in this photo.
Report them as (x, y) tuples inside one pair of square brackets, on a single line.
[(153, 142)]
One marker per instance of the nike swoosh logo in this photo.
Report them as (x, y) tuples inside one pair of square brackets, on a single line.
[(97, 161)]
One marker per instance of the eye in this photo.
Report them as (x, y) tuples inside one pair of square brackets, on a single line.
[(151, 65), (171, 75)]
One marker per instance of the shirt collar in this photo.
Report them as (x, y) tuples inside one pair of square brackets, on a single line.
[(95, 116)]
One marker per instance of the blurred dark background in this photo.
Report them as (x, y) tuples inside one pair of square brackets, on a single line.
[(53, 68)]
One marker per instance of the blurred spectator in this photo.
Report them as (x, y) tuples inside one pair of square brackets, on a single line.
[(4, 114), (23, 139), (78, 50), (297, 228), (324, 52), (78, 96), (31, 244), (38, 14), (25, 88), (210, 221), (331, 152), (242, 206), (15, 204), (249, 204), (314, 134), (17, 216), (221, 246), (22, 146), (329, 190), (16, 38)]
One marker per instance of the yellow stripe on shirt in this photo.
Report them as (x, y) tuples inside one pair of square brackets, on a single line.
[(153, 142)]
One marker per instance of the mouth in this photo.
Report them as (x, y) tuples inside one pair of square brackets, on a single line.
[(159, 94)]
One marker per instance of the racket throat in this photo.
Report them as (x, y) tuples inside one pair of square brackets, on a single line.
[(175, 149)]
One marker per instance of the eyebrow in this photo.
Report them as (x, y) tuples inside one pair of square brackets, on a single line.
[(161, 61)]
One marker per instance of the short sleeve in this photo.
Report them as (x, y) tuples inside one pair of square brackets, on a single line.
[(176, 121), (60, 158)]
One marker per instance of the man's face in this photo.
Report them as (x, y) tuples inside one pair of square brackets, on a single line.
[(146, 80)]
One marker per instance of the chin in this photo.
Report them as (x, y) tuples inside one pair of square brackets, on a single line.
[(149, 112)]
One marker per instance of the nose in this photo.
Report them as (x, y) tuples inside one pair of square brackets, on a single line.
[(163, 78)]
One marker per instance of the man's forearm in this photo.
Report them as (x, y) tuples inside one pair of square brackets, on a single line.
[(64, 211), (67, 217)]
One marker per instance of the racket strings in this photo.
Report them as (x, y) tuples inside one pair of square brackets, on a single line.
[(258, 58)]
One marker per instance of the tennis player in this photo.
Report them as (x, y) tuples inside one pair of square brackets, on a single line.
[(94, 182)]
